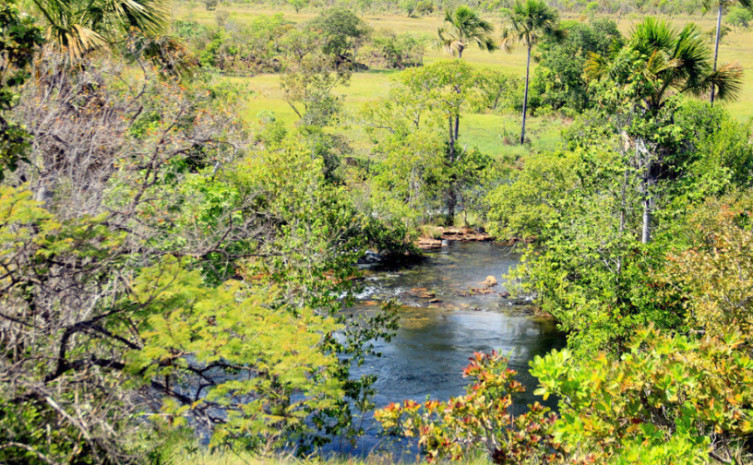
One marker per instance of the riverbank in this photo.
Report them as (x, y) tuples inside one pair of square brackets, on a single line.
[(436, 237)]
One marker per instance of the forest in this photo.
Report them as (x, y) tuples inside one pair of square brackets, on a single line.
[(215, 216)]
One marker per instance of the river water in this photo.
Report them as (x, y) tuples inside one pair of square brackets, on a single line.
[(443, 321)]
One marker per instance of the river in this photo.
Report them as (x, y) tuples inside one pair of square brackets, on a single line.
[(443, 321)]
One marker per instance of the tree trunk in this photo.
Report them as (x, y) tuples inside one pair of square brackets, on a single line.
[(716, 46), (646, 230), (457, 133), (525, 97), (645, 159), (648, 202), (451, 148), (452, 201)]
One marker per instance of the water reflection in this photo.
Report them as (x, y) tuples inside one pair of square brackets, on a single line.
[(435, 340)]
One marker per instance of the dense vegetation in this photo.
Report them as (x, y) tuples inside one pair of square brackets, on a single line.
[(171, 272)]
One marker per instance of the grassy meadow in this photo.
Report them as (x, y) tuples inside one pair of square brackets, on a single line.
[(489, 132)]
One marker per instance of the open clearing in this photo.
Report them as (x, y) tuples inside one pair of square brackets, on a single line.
[(489, 132)]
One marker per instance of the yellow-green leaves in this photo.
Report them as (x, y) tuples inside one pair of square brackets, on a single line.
[(228, 349), (662, 402)]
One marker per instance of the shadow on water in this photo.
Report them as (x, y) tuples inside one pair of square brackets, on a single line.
[(435, 340)]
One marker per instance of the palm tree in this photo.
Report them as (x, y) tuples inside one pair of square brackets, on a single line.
[(464, 26), (77, 26), (657, 61), (527, 23), (667, 60), (721, 5)]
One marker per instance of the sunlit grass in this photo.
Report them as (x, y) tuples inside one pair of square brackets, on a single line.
[(491, 133)]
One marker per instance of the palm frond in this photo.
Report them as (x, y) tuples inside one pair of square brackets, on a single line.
[(597, 66), (652, 34), (77, 26), (530, 20), (464, 26), (728, 81), (74, 40), (667, 59)]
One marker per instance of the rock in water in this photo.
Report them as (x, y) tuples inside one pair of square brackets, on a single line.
[(490, 281)]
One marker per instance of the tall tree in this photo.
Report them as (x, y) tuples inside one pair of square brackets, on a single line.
[(423, 113), (463, 27), (447, 88), (666, 60), (720, 5), (527, 23), (77, 26), (342, 33), (656, 61)]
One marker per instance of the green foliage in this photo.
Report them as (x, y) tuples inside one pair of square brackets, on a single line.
[(739, 16), (405, 183), (524, 207), (342, 33), (308, 91), (636, 164), (423, 111), (298, 4), (465, 26), (271, 354), (558, 80), (39, 425), (77, 27), (311, 259), (500, 89), (584, 208), (391, 51), (720, 156), (166, 271), (258, 46), (657, 59), (191, 282), (528, 23), (715, 270), (19, 39), (666, 400)]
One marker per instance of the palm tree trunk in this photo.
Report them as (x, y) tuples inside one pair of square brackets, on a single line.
[(647, 181), (716, 46), (647, 204), (525, 97)]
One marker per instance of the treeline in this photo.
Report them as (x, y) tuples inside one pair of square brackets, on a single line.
[(416, 8), (273, 44)]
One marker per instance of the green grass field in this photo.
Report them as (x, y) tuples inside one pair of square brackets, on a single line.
[(485, 131)]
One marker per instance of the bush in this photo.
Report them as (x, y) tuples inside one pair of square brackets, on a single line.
[(739, 16), (668, 400), (391, 51), (480, 420)]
